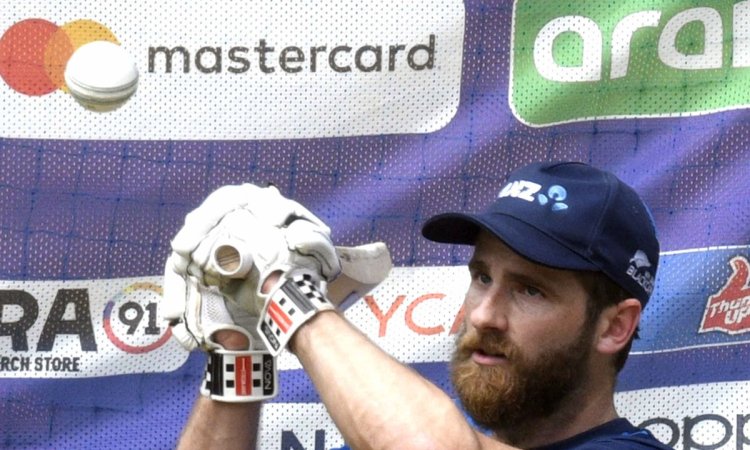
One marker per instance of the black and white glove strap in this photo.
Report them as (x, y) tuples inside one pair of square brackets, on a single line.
[(294, 301), (240, 376)]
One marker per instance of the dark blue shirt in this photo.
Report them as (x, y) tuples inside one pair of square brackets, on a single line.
[(618, 434)]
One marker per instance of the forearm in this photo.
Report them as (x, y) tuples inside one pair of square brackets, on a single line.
[(228, 426), (375, 401)]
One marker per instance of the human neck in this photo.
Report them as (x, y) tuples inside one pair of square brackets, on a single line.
[(580, 412)]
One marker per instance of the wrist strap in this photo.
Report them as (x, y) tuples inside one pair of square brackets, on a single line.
[(294, 301), (240, 376)]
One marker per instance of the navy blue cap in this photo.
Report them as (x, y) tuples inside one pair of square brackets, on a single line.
[(566, 215)]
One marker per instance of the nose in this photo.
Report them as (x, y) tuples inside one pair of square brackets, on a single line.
[(486, 310)]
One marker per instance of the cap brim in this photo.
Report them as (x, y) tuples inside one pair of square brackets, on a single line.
[(527, 241)]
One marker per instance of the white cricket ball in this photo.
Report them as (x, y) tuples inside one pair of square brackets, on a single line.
[(101, 75)]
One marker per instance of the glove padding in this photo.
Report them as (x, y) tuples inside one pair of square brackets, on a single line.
[(234, 376), (205, 312), (276, 233)]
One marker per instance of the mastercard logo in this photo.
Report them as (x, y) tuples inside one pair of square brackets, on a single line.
[(34, 52)]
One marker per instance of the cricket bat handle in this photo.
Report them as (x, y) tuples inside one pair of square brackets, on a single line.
[(362, 268)]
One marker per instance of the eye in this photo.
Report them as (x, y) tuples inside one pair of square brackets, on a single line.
[(480, 276), (531, 291)]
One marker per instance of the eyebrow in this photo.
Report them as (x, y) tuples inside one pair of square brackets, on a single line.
[(478, 265), (536, 281), (521, 276)]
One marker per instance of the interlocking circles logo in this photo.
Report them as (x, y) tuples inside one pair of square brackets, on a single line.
[(34, 52)]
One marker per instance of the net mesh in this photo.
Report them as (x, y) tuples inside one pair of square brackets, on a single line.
[(75, 210)]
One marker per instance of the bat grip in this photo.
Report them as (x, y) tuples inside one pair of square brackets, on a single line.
[(229, 261)]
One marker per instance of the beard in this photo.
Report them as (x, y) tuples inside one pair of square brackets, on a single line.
[(504, 398)]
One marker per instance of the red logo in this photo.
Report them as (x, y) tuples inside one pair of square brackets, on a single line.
[(728, 310), (243, 367), (34, 52)]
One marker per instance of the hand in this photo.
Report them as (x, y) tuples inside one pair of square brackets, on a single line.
[(256, 207), (207, 320), (274, 233), (233, 340), (243, 251)]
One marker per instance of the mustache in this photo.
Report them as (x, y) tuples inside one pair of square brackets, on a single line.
[(490, 343)]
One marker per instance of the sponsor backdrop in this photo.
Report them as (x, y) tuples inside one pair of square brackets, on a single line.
[(375, 114)]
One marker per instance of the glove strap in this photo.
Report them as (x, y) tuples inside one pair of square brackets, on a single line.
[(295, 300), (240, 376)]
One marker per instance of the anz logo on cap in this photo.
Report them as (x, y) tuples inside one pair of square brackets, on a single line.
[(530, 192)]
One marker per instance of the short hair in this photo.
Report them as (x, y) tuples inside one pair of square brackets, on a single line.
[(603, 293)]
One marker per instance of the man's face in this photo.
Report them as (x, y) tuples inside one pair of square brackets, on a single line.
[(525, 345)]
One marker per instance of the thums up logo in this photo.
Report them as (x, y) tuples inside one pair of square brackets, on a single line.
[(596, 59)]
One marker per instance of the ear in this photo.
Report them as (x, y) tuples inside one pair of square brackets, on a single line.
[(616, 326)]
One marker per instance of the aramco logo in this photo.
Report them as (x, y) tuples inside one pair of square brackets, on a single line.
[(34, 52)]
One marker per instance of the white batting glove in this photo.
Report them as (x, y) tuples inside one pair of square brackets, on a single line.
[(231, 375), (268, 233), (196, 318), (279, 233)]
